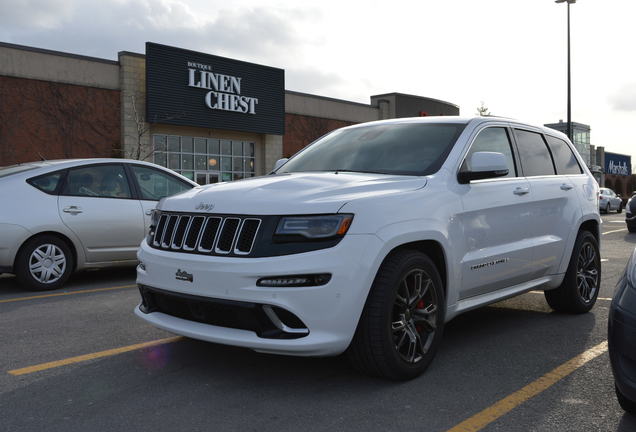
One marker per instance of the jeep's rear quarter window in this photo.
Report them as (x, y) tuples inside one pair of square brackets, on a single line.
[(534, 154), (400, 148), (564, 159)]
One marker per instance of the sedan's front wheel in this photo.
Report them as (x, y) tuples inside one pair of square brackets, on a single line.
[(403, 319), (44, 263)]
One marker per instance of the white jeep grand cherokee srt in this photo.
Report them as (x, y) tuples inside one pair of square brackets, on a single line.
[(373, 237)]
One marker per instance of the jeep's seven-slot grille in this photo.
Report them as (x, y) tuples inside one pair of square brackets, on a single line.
[(216, 235)]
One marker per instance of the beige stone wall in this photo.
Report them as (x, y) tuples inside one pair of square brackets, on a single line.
[(328, 108), (45, 65), (135, 131), (273, 150)]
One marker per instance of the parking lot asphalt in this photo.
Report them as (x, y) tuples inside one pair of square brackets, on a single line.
[(495, 370)]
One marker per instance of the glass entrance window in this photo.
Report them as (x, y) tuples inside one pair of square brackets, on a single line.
[(205, 160)]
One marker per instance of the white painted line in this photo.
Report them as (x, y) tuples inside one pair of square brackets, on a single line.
[(604, 260), (597, 298), (613, 231)]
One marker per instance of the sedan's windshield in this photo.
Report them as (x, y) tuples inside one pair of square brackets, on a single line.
[(397, 148)]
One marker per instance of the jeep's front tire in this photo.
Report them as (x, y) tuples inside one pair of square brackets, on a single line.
[(403, 319), (582, 282)]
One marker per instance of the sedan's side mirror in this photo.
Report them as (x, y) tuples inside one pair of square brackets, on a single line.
[(483, 165), (279, 163)]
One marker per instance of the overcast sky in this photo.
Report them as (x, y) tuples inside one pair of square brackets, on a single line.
[(510, 54)]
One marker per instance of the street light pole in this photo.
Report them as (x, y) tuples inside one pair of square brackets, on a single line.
[(569, 74)]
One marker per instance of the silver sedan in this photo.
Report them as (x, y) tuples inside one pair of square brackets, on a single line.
[(65, 215), (608, 200)]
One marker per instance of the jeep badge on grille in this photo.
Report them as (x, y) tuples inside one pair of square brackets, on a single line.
[(204, 206), (184, 276)]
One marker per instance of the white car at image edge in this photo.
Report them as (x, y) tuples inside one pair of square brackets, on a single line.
[(373, 237), (65, 215)]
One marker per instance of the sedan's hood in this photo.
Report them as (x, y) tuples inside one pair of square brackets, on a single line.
[(297, 193)]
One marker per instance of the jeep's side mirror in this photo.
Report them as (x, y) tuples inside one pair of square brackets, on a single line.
[(483, 165), (279, 163)]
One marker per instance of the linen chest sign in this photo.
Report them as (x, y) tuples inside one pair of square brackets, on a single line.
[(195, 89)]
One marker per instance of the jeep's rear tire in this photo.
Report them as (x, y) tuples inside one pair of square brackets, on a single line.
[(44, 262), (580, 287), (631, 229), (403, 319)]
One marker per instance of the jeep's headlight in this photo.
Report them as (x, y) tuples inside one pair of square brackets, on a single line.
[(154, 220), (297, 228)]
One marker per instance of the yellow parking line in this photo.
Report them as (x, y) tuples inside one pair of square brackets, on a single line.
[(507, 404), (613, 231), (66, 293), (92, 356)]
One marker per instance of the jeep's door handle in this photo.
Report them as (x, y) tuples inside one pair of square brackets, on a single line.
[(521, 191), (72, 210), (566, 187)]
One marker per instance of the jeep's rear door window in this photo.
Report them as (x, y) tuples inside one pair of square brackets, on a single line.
[(398, 148), (564, 159), (534, 154), (494, 139)]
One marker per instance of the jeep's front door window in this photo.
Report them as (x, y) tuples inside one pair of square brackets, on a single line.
[(493, 139)]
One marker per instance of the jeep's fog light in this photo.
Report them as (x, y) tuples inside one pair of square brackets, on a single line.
[(141, 266), (294, 280)]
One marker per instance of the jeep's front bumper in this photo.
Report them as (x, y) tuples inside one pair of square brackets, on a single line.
[(329, 312)]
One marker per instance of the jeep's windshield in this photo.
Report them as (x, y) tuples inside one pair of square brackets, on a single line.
[(396, 148)]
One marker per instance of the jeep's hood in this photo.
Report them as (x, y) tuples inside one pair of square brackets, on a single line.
[(296, 193)]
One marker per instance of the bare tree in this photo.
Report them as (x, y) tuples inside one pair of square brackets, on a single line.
[(142, 128), (482, 110)]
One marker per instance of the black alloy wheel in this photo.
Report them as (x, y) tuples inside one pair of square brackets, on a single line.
[(414, 318), (580, 287), (403, 319), (587, 273)]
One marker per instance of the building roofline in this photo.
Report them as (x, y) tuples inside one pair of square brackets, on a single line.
[(415, 96), (130, 53), (565, 124), (297, 93), (57, 53)]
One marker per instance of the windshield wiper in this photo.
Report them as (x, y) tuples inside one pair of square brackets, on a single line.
[(357, 171)]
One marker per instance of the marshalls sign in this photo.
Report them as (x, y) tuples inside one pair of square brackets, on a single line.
[(618, 164), (195, 89)]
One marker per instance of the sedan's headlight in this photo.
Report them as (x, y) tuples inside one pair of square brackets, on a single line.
[(299, 228)]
